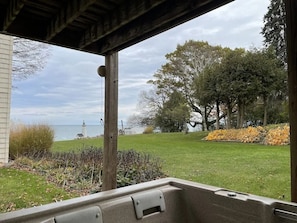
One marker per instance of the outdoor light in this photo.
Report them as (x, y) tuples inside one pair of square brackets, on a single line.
[(101, 71)]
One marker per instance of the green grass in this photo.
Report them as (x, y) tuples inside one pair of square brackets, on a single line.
[(20, 189), (76, 144), (251, 168)]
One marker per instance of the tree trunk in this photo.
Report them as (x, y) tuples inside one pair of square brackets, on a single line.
[(265, 110), (229, 113), (204, 119), (217, 115), (240, 114)]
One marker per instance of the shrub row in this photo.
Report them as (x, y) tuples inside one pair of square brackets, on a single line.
[(275, 136), (82, 172)]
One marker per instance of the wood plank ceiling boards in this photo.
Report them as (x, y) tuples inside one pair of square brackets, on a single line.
[(97, 26)]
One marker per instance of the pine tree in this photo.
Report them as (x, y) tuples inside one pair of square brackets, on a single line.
[(274, 29)]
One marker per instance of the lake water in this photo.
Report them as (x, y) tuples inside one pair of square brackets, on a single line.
[(69, 132)]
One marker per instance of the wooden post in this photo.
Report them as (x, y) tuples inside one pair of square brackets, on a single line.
[(110, 122), (291, 32)]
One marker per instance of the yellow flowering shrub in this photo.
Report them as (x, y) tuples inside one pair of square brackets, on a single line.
[(278, 136)]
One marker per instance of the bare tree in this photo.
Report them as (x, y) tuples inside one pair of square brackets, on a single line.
[(29, 57), (149, 103)]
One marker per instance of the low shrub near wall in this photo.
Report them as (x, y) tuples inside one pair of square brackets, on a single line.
[(30, 139), (279, 135)]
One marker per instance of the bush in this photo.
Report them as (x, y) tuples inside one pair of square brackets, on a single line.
[(82, 172), (222, 134), (252, 134), (134, 167), (273, 135), (246, 135), (278, 136), (148, 130), (25, 139)]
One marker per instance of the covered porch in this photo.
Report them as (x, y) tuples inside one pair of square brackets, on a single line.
[(106, 27)]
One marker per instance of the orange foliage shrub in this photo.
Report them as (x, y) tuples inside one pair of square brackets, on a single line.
[(276, 136), (251, 134), (222, 134)]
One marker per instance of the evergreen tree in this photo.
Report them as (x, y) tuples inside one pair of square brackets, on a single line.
[(274, 29)]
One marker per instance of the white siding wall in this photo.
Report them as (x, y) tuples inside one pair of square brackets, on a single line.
[(5, 93)]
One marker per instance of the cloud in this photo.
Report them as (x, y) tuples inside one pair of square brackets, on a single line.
[(69, 89)]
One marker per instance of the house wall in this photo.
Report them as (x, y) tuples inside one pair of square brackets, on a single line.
[(5, 94)]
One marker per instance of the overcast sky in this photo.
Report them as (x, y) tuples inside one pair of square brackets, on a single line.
[(69, 89)]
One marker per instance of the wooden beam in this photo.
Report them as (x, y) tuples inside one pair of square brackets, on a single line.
[(166, 16), (124, 14), (110, 122), (67, 15), (12, 11), (291, 33)]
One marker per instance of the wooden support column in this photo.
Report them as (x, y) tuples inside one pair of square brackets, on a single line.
[(291, 32), (110, 122)]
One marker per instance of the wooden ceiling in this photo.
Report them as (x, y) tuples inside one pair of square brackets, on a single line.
[(97, 26)]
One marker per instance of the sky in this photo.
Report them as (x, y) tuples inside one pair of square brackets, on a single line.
[(69, 91)]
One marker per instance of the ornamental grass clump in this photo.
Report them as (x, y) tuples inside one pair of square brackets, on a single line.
[(148, 130), (25, 139)]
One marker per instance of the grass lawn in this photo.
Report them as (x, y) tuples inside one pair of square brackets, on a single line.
[(251, 168), (20, 189)]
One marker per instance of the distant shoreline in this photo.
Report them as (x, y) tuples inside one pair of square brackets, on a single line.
[(70, 132)]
